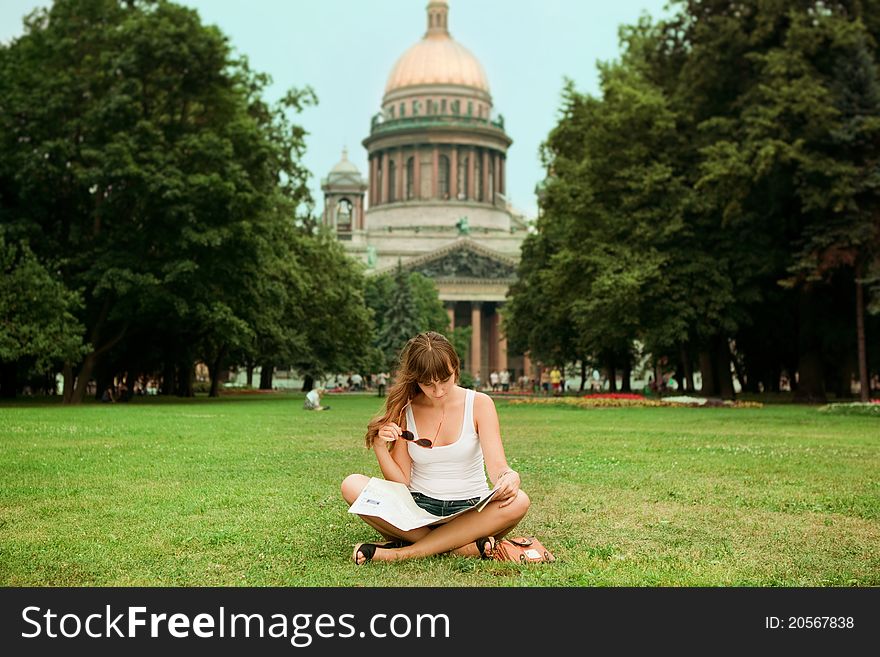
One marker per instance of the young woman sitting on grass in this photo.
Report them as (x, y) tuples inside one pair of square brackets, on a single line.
[(455, 440)]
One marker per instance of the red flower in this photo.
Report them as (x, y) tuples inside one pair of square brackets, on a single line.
[(614, 395)]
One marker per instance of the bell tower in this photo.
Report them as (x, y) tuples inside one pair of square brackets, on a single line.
[(344, 190)]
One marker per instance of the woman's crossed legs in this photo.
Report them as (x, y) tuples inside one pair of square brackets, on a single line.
[(457, 536)]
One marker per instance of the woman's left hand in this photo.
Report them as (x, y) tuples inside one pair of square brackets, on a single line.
[(508, 486)]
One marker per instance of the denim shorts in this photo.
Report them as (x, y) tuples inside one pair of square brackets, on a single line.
[(442, 507)]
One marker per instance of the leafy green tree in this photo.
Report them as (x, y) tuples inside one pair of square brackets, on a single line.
[(37, 321), (401, 309), (334, 318), (139, 155)]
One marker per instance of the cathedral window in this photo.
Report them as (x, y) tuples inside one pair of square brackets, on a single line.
[(443, 177), (443, 106), (343, 215), (463, 182), (402, 110)]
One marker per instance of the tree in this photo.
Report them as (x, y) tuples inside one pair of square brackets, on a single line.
[(335, 318), (37, 323), (403, 304), (137, 153)]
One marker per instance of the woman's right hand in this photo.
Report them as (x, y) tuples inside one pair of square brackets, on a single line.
[(390, 432)]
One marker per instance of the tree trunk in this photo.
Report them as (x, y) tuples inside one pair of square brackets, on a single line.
[(69, 381), (688, 368), (625, 376), (250, 374), (864, 391), (811, 382), (267, 371), (85, 373), (186, 375), (215, 373), (811, 378), (583, 375), (83, 377), (707, 372), (722, 368), (612, 378), (746, 380), (308, 383)]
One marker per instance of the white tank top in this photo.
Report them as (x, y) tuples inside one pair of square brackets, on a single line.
[(451, 472)]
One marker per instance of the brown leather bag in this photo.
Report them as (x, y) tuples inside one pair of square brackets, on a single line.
[(523, 549)]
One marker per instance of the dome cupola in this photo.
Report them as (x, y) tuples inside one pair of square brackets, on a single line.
[(437, 60)]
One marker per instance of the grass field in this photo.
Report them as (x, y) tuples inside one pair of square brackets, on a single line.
[(245, 491)]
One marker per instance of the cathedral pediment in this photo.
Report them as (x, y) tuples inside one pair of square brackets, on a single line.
[(463, 260)]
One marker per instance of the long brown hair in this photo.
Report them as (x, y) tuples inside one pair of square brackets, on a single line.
[(426, 358)]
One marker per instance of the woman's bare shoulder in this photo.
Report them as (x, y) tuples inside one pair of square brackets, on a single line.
[(482, 400)]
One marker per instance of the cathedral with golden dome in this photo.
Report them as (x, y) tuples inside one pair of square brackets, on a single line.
[(434, 196)]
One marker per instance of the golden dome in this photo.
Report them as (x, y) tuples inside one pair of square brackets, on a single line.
[(437, 59)]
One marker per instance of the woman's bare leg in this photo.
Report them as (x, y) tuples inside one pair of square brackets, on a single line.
[(457, 534), (352, 487)]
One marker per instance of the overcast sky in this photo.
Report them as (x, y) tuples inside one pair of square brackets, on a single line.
[(345, 49)]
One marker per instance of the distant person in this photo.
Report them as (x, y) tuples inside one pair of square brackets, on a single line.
[(108, 397), (313, 400), (556, 380), (504, 379), (381, 382), (357, 382), (440, 440), (493, 381), (545, 380)]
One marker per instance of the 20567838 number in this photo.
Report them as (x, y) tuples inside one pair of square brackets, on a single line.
[(820, 622)]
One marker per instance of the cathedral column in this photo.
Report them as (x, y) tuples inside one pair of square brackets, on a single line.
[(383, 192), (435, 174), (476, 338), (374, 180), (503, 364), (450, 311), (492, 342), (400, 174), (417, 173), (497, 181), (502, 174), (453, 173), (527, 365), (487, 195), (472, 153)]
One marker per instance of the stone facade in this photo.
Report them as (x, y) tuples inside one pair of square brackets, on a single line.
[(435, 190)]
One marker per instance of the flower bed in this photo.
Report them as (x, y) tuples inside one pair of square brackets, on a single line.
[(591, 401), (871, 408), (616, 400)]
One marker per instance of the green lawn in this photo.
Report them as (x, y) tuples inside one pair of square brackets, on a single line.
[(245, 491)]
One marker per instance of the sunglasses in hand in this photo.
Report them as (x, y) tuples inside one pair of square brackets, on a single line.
[(421, 442)]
